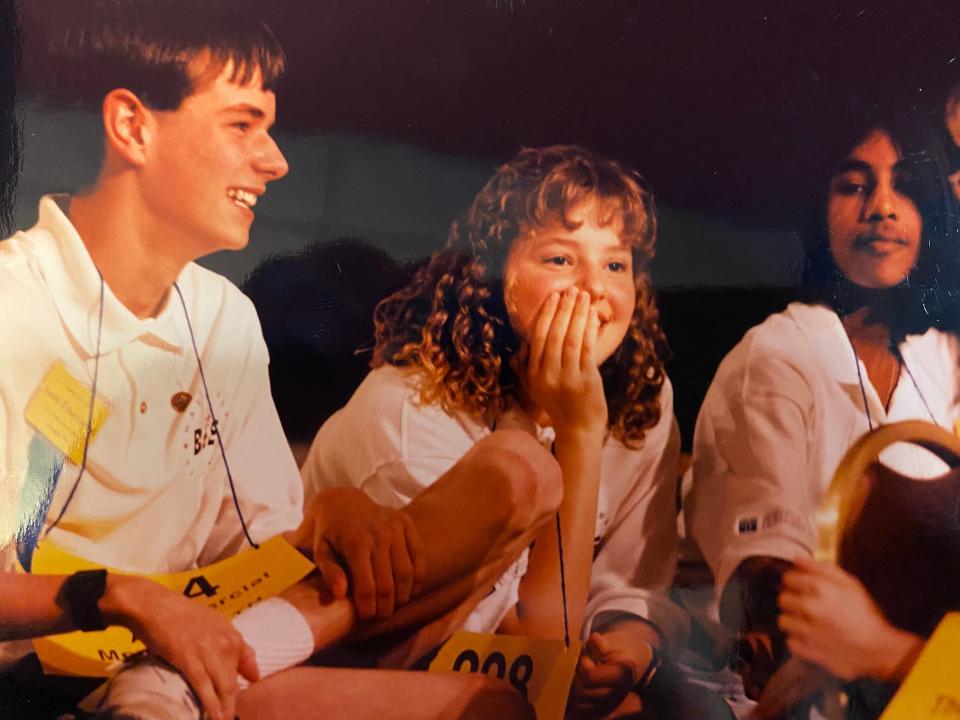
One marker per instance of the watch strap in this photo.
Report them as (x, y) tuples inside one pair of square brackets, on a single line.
[(81, 592)]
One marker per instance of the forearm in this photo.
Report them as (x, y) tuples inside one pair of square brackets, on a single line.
[(330, 619), (29, 606), (32, 605), (641, 632), (540, 612)]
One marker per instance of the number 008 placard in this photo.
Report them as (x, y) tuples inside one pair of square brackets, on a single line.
[(540, 670)]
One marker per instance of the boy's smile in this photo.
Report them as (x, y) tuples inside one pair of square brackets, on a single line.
[(208, 163)]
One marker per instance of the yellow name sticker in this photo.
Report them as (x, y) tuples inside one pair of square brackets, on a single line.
[(228, 586), (540, 670), (932, 689), (59, 410)]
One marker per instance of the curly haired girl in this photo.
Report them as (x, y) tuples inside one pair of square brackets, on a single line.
[(538, 315)]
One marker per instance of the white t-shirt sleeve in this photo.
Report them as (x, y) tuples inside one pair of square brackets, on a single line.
[(752, 492), (637, 557), (386, 443)]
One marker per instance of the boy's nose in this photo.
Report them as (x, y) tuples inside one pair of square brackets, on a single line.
[(270, 160)]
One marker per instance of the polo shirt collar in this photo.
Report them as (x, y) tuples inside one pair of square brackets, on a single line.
[(829, 341), (75, 284)]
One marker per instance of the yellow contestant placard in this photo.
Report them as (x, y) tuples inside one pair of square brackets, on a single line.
[(60, 408), (540, 670), (228, 586), (932, 689)]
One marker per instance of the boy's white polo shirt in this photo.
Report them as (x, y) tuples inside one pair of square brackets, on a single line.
[(154, 496)]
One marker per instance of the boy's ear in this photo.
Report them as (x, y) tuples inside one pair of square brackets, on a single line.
[(126, 125)]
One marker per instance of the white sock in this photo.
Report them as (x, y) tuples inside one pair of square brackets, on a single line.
[(278, 633)]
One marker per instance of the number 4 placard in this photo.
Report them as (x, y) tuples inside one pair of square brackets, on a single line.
[(228, 586), (540, 670)]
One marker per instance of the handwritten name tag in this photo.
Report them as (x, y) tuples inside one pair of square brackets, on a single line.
[(60, 408)]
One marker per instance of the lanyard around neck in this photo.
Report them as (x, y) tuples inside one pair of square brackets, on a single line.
[(206, 392), (895, 349)]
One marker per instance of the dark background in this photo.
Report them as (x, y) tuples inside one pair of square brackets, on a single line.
[(705, 98), (394, 112)]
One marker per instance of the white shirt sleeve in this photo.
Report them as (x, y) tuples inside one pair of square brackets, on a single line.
[(385, 442), (637, 557), (752, 491)]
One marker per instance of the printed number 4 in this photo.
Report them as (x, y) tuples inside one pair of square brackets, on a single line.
[(520, 670), (199, 586)]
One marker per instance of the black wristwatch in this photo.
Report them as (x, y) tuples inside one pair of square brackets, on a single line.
[(80, 593)]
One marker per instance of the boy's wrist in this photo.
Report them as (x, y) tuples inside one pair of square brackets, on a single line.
[(80, 595), (122, 601)]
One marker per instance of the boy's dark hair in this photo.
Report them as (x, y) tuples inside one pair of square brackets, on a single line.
[(9, 123), (928, 297), (86, 48)]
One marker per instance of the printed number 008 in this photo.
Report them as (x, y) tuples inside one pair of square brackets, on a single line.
[(520, 670)]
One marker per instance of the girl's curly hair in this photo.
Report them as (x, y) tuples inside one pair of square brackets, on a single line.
[(452, 323)]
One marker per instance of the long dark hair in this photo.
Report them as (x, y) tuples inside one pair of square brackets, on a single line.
[(928, 296)]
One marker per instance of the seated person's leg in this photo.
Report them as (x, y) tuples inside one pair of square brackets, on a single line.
[(474, 522), (367, 694)]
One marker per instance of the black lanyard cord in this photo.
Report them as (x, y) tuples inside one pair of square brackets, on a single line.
[(863, 389), (206, 392), (901, 363), (563, 586), (213, 419)]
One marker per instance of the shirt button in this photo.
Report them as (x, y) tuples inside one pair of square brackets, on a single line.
[(143, 407)]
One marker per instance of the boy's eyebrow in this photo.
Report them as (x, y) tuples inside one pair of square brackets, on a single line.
[(247, 108)]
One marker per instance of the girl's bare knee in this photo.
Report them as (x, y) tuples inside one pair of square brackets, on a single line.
[(527, 476)]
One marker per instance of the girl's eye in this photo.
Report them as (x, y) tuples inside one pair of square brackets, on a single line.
[(557, 260), (241, 126), (618, 266)]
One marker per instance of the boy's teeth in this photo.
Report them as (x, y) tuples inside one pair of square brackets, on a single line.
[(243, 198)]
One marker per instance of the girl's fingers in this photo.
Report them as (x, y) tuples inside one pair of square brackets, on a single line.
[(541, 329), (553, 346), (588, 351), (576, 331)]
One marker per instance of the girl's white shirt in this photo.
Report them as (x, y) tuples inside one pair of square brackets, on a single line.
[(392, 446)]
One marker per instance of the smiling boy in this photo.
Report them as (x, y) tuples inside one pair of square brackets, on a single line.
[(158, 448), (103, 299)]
